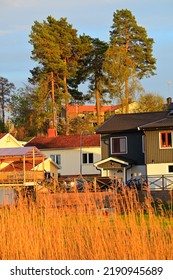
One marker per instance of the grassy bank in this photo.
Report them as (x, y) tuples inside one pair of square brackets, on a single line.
[(44, 231)]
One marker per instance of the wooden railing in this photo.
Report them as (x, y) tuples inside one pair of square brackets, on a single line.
[(154, 182), (160, 182), (21, 177)]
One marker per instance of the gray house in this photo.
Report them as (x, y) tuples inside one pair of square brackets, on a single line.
[(138, 144)]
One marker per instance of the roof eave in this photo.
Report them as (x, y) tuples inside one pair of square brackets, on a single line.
[(118, 131), (155, 128)]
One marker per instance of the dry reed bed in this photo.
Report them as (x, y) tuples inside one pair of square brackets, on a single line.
[(85, 230)]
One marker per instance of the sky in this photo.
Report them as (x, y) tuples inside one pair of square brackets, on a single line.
[(92, 17)]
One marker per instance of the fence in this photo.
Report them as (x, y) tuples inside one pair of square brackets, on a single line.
[(97, 184), (20, 177), (155, 182), (163, 182)]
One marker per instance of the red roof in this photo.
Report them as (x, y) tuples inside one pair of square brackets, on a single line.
[(90, 108), (65, 141), (2, 135)]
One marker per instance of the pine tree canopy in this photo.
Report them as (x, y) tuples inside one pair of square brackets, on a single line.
[(127, 33)]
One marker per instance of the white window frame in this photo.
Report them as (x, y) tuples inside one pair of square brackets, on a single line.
[(87, 154), (120, 152), (166, 144), (169, 168), (55, 157)]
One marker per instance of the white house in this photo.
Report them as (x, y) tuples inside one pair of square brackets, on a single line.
[(74, 154), (8, 141)]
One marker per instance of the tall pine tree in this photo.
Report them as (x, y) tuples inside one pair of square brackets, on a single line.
[(6, 89), (94, 69), (58, 50), (127, 34)]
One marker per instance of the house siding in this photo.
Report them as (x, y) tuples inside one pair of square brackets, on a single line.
[(153, 152), (49, 167), (105, 146), (158, 169), (134, 147), (70, 160), (8, 141)]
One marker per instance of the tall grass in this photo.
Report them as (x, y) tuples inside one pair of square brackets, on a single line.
[(80, 227)]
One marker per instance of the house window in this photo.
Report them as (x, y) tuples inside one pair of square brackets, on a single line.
[(87, 158), (119, 145), (170, 168), (166, 139), (56, 159)]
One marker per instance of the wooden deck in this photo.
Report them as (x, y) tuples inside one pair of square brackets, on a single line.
[(21, 178)]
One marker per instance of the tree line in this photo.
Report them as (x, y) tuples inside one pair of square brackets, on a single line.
[(65, 60)]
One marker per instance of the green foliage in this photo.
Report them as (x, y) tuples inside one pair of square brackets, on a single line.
[(118, 69), (81, 74), (27, 111), (21, 104), (129, 57), (95, 66), (150, 102), (57, 47), (6, 89), (60, 52), (133, 38), (79, 124), (2, 127), (93, 69), (65, 61)]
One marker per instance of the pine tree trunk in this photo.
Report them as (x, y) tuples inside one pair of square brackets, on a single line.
[(53, 100), (127, 95), (67, 129), (97, 96)]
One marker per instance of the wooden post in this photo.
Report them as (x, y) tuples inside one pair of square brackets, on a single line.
[(163, 185), (33, 158), (24, 171), (75, 188), (43, 163), (95, 182)]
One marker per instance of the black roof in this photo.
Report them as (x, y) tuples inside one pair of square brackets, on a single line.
[(136, 121)]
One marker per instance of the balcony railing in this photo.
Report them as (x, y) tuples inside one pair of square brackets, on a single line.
[(21, 177)]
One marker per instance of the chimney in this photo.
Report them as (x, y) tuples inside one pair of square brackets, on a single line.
[(51, 132)]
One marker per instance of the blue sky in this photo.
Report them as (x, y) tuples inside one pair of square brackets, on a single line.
[(92, 17)]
